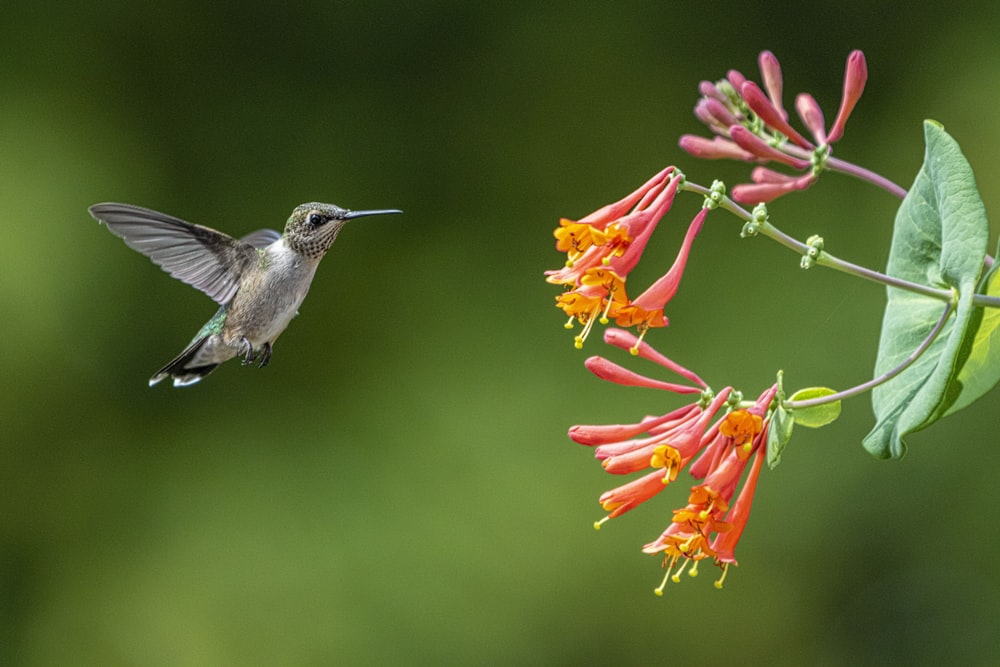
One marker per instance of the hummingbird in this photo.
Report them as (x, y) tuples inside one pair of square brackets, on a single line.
[(259, 280)]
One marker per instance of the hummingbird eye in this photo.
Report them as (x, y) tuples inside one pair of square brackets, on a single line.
[(315, 219)]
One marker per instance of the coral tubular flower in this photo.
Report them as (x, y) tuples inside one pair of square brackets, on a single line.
[(603, 248), (647, 309), (717, 444)]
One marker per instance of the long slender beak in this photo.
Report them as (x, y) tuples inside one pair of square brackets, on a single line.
[(350, 215)]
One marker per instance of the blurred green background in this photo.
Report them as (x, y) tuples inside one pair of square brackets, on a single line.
[(397, 486)]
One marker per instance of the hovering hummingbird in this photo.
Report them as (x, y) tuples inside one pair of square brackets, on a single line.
[(259, 280)]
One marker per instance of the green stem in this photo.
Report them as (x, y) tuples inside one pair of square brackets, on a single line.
[(861, 388), (824, 258)]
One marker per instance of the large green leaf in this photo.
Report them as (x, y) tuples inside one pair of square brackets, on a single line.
[(939, 239)]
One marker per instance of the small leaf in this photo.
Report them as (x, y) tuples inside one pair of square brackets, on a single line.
[(939, 239), (819, 415), (778, 435), (981, 370)]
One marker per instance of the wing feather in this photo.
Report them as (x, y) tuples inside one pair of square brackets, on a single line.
[(201, 257)]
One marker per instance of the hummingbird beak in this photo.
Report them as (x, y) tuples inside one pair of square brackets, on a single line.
[(350, 215)]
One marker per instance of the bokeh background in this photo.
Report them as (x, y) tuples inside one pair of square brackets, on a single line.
[(397, 487)]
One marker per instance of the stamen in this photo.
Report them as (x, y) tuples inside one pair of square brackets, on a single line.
[(725, 570), (607, 308), (598, 524), (569, 323), (578, 341), (658, 591), (676, 578), (643, 328)]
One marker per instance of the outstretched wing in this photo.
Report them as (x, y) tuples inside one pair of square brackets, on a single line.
[(201, 257)]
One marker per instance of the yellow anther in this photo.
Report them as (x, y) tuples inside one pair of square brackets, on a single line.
[(578, 341), (725, 570), (658, 591), (598, 524), (643, 328), (607, 308), (676, 578)]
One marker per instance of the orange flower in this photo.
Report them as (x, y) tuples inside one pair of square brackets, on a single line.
[(603, 248), (711, 524)]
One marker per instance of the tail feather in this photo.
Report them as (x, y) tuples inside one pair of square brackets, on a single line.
[(178, 369)]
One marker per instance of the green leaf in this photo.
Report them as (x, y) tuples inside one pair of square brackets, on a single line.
[(939, 239), (981, 370), (778, 435), (819, 415)]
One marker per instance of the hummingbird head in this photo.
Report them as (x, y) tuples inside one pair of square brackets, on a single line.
[(312, 228)]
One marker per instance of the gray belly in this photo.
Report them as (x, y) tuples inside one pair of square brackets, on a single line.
[(262, 310)]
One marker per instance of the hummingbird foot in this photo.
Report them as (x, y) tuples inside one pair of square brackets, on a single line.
[(246, 349), (265, 355)]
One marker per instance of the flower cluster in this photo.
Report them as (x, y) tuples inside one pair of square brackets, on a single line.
[(715, 445), (752, 125), (603, 247)]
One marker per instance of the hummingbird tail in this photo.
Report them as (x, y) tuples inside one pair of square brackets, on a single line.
[(178, 369)]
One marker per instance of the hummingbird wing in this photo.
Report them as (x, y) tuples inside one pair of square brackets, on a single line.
[(261, 238), (201, 257)]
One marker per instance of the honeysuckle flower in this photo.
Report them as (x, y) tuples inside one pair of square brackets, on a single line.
[(602, 251), (714, 438), (603, 247), (647, 309), (601, 239), (710, 510), (752, 125)]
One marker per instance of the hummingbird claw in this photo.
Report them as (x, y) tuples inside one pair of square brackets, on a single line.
[(265, 355), (246, 349)]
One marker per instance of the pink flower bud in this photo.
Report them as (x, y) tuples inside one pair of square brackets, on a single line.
[(770, 70), (768, 190), (612, 372), (715, 148), (751, 143), (735, 79), (626, 340), (718, 112), (709, 89), (811, 116), (855, 76), (586, 434), (757, 100)]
